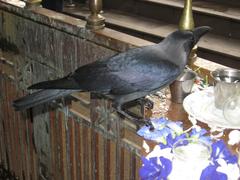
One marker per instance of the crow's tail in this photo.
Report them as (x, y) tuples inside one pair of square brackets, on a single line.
[(40, 97)]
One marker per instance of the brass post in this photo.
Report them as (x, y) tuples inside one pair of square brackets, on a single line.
[(33, 3), (187, 23), (95, 21)]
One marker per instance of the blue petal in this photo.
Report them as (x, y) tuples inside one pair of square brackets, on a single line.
[(220, 150), (166, 167), (211, 174)]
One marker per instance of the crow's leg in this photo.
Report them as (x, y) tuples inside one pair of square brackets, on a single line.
[(120, 100), (134, 119), (145, 102)]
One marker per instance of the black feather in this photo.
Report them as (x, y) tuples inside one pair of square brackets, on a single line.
[(39, 97)]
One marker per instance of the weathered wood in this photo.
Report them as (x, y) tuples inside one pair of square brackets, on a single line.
[(72, 150)]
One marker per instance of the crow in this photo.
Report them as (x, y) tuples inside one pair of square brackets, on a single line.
[(124, 77)]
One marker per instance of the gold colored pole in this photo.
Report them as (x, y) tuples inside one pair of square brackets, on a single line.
[(95, 21), (187, 23), (33, 3)]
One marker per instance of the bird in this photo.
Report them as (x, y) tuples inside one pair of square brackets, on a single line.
[(124, 77)]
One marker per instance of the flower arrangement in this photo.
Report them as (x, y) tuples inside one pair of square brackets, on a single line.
[(158, 164)]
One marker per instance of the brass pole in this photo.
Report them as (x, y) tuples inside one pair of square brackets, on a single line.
[(187, 23), (33, 3), (95, 21)]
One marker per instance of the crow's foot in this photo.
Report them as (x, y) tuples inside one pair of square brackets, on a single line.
[(139, 121), (146, 103)]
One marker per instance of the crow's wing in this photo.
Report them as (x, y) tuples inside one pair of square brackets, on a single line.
[(140, 69), (146, 71), (149, 79)]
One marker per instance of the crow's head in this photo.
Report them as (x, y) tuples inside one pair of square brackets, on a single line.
[(187, 38), (199, 32), (179, 44)]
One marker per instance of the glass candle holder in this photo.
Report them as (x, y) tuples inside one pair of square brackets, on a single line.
[(190, 157), (231, 108)]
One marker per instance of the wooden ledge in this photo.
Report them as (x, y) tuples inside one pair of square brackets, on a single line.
[(210, 8)]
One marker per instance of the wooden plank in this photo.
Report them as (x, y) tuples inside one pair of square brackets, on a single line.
[(131, 138), (72, 139), (18, 124), (11, 122), (83, 142), (15, 130), (112, 160), (100, 157), (87, 153), (53, 143), (57, 144), (80, 110), (63, 145), (78, 141), (27, 148), (6, 126), (138, 166), (33, 155), (210, 8), (2, 130), (125, 164), (22, 144)]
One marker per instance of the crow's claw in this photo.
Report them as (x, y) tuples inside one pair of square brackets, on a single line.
[(146, 103)]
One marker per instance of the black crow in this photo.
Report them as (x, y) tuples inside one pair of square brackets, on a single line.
[(124, 77)]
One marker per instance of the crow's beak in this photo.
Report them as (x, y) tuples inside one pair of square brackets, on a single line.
[(199, 32)]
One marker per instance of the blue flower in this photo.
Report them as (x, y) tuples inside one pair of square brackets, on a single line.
[(200, 134), (155, 168), (211, 172), (220, 150), (163, 128), (223, 164)]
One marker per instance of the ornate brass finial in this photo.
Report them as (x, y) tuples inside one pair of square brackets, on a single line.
[(187, 23), (95, 21), (33, 3)]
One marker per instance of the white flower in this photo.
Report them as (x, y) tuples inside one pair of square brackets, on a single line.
[(234, 137), (158, 152), (231, 170)]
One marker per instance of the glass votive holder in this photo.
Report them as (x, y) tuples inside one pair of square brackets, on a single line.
[(190, 157), (231, 109)]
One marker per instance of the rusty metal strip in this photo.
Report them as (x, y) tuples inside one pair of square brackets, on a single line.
[(11, 123), (125, 164), (19, 144), (33, 154), (112, 160), (132, 164), (54, 153), (100, 157), (78, 151), (14, 128), (6, 125), (27, 148), (63, 144), (2, 134), (24, 152), (71, 126), (137, 166), (57, 144), (86, 153)]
